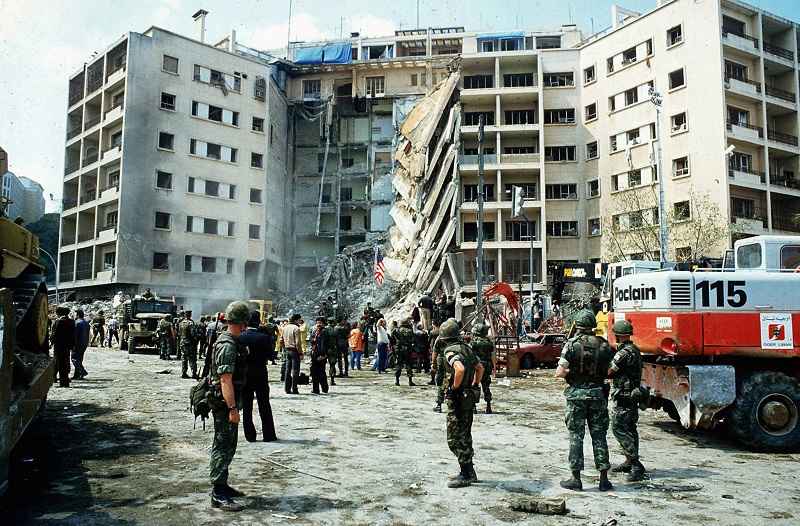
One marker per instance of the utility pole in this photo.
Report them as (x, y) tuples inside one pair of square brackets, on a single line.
[(289, 30), (479, 273), (517, 200), (417, 15), (657, 99)]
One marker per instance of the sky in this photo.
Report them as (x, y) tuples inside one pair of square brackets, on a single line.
[(43, 42)]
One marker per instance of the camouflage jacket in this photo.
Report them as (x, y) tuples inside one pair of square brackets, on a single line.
[(186, 329), (404, 339), (229, 357), (627, 367), (458, 351), (588, 358), (483, 349)]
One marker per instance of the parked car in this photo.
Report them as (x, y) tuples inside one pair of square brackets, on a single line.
[(540, 349)]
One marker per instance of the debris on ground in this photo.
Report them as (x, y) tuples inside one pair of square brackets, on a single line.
[(542, 506)]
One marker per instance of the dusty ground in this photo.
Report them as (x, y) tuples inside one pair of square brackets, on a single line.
[(119, 448)]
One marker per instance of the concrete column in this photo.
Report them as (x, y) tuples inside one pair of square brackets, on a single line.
[(765, 155)]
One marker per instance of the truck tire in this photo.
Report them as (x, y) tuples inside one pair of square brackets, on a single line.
[(527, 362), (766, 413)]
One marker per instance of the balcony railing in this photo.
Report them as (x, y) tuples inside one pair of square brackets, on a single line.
[(755, 214), (109, 186), (745, 81), (75, 96), (67, 240), (68, 203), (92, 122), (89, 195), (761, 175), (120, 106), (781, 137), (84, 271), (517, 158), (489, 158), (85, 236), (778, 51), (754, 40), (780, 94), (787, 222), (759, 129), (89, 160), (66, 274), (74, 132), (71, 167), (778, 179)]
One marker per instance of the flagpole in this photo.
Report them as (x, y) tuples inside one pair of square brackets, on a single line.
[(374, 267)]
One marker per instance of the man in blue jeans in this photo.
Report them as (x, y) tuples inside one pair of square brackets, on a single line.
[(382, 336), (290, 334), (81, 343)]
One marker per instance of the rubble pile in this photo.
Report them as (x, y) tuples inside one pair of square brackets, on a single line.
[(91, 309)]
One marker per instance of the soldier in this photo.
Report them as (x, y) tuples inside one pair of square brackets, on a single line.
[(201, 338), (147, 295), (403, 346), (464, 371), (228, 373), (318, 357), (331, 348), (187, 345), (626, 374), (62, 336), (342, 336), (483, 348), (165, 334), (422, 348), (439, 366), (98, 329), (584, 364)]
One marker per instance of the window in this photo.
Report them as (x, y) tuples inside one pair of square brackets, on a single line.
[(678, 122), (187, 263), (634, 178), (260, 88), (741, 162), (528, 191), (166, 141), (749, 256), (256, 160), (518, 231), (163, 180), (610, 65), (734, 70), (559, 153), (554, 80), (231, 229), (676, 79), (167, 101), (254, 232), (232, 191), (213, 151), (790, 257), (255, 195), (189, 224), (116, 139), (593, 188), (591, 151), (652, 127), (162, 220), (311, 88), (169, 64), (210, 226), (562, 228), (613, 144), (345, 193), (258, 124), (478, 81), (472, 118), (732, 25), (590, 112), (111, 218), (649, 45), (589, 75), (190, 185), (593, 225), (632, 136), (738, 116), (520, 117), (561, 191), (683, 211), (212, 188), (471, 192), (346, 222), (518, 80), (109, 260), (374, 86), (160, 261), (680, 166), (487, 46), (215, 113), (209, 264), (519, 150), (413, 79), (674, 35), (552, 42), (631, 96), (629, 56), (229, 266), (562, 116)]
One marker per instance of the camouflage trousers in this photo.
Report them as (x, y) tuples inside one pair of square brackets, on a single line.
[(223, 448), (188, 356), (332, 360), (403, 358), (459, 429), (164, 347), (486, 381), (579, 414), (439, 379), (623, 424)]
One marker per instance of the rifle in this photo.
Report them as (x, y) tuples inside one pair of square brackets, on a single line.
[(210, 349)]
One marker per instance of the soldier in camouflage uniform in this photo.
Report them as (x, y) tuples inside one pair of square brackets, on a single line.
[(626, 374), (342, 335), (464, 371), (484, 350), (165, 334), (228, 373), (584, 364), (331, 348), (439, 344), (404, 346), (187, 344)]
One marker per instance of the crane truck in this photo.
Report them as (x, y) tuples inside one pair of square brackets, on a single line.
[(723, 345)]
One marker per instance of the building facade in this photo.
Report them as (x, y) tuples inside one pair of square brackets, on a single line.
[(25, 196)]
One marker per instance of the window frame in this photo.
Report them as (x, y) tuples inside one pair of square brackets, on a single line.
[(162, 268), (165, 105), (250, 235), (684, 206), (681, 128), (587, 117), (253, 124), (162, 215), (553, 148), (682, 69), (589, 193), (589, 231), (259, 157), (171, 180), (164, 56), (260, 194), (687, 171), (670, 41), (557, 76), (586, 78), (596, 151), (158, 143)]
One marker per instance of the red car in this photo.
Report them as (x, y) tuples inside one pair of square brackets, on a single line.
[(541, 349)]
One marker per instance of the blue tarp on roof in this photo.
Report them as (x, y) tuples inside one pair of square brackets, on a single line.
[(338, 53), (501, 36), (333, 53)]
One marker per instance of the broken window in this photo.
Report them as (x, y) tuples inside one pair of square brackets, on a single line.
[(345, 222), (212, 188), (590, 111), (345, 193), (160, 261), (589, 75), (215, 113), (472, 118), (562, 228), (561, 191), (256, 160), (166, 141), (559, 153), (593, 188), (528, 191), (520, 117), (632, 136), (312, 88), (210, 226), (478, 81), (213, 151), (258, 124), (676, 79), (518, 80), (209, 264), (683, 211), (629, 56), (678, 122), (560, 116), (594, 226), (255, 195), (591, 150), (518, 231), (167, 101), (674, 35), (162, 220)]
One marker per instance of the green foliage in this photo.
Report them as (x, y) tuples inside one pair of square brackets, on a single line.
[(46, 229)]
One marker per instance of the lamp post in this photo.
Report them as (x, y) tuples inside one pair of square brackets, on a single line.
[(657, 99), (479, 273), (55, 267)]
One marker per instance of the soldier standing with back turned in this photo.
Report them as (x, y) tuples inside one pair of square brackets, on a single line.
[(584, 364), (484, 350), (404, 345), (165, 334), (188, 347), (626, 374)]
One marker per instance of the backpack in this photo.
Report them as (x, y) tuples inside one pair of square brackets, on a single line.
[(198, 401)]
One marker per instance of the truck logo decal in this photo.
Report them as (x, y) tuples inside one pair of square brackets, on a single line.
[(636, 294), (776, 330)]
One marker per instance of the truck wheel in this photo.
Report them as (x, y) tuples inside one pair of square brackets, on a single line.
[(528, 362), (766, 414)]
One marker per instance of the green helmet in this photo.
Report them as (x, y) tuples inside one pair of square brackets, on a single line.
[(449, 329), (585, 319), (480, 329), (237, 312), (623, 327)]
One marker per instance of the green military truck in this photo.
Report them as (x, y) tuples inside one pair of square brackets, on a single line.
[(140, 319)]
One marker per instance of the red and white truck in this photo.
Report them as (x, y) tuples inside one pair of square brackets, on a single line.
[(723, 345)]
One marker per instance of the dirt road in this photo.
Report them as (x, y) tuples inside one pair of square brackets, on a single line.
[(119, 448)]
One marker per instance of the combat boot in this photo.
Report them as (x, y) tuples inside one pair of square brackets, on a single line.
[(637, 472), (625, 467), (232, 492), (223, 502), (461, 480), (573, 483), (473, 477), (411, 382), (605, 484), (488, 408), (397, 380), (437, 408)]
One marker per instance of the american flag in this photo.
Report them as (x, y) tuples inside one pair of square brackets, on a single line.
[(379, 268)]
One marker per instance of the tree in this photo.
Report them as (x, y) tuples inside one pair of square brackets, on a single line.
[(695, 228)]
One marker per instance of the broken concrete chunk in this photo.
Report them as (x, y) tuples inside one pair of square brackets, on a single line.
[(540, 505)]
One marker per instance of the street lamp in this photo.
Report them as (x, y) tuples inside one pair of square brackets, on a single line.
[(657, 99), (55, 268), (517, 200)]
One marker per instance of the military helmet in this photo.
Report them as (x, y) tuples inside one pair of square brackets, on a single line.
[(585, 319), (449, 329), (623, 327), (480, 329), (237, 312)]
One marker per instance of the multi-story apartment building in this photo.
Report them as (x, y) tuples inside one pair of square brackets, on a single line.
[(175, 171), (25, 196)]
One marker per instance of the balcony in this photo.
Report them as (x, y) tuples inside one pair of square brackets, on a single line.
[(744, 131), (779, 180), (109, 193), (84, 237), (90, 123), (108, 234), (68, 203), (778, 93), (752, 222), (783, 138), (469, 163), (777, 51), (74, 132), (71, 167), (105, 275), (113, 114), (67, 240), (89, 160), (747, 177), (743, 86), (112, 153), (520, 158), (75, 96), (741, 41), (88, 196), (66, 274), (116, 75)]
